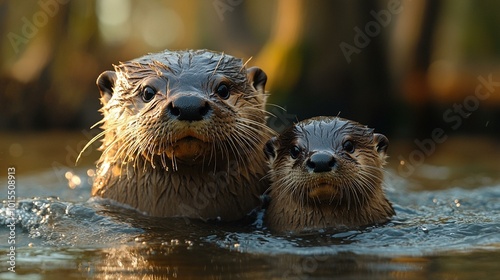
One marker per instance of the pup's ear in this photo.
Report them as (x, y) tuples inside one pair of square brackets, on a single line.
[(382, 143), (106, 83), (257, 78)]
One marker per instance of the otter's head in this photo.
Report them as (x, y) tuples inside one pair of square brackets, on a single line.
[(327, 161), (187, 107)]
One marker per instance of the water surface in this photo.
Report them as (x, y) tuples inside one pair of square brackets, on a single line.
[(447, 227)]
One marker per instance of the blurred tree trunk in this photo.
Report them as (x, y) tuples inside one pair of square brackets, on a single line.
[(415, 84), (329, 83)]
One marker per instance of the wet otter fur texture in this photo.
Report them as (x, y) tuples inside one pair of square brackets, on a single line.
[(183, 135), (326, 173)]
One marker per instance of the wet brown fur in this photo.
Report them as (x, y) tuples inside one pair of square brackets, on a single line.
[(207, 169), (349, 196)]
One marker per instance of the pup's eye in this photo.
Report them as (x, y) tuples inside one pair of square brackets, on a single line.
[(223, 91), (348, 146), (295, 152), (148, 93)]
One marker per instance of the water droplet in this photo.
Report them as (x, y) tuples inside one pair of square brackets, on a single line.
[(74, 182), (174, 242), (91, 172)]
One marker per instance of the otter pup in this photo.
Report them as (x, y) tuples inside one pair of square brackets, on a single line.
[(183, 135), (326, 172)]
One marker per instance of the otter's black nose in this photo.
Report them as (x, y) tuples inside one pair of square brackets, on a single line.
[(321, 162), (189, 108)]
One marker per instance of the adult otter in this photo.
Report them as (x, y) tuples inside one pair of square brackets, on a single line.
[(326, 172), (183, 135)]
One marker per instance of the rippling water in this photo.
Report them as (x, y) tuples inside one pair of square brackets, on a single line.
[(448, 233)]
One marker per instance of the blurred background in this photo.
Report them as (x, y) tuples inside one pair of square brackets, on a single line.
[(424, 73), (405, 68)]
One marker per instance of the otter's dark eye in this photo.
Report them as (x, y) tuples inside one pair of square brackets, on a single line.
[(148, 93), (223, 91), (348, 146), (295, 152)]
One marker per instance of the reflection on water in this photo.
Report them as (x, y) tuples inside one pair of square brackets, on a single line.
[(449, 232)]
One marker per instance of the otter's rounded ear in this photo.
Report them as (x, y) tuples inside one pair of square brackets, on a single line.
[(106, 83), (381, 142), (257, 78), (270, 148)]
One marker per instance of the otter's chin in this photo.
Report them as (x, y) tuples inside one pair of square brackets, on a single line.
[(188, 149), (323, 192)]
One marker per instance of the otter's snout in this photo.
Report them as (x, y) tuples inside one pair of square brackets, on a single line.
[(321, 162), (189, 108)]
